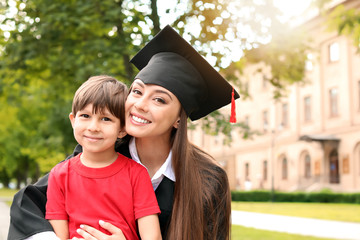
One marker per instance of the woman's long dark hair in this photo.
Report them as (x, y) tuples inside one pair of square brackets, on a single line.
[(202, 202)]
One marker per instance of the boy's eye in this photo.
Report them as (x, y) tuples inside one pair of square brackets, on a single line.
[(106, 119), (84, 115)]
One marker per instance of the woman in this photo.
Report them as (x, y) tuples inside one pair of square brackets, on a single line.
[(174, 83)]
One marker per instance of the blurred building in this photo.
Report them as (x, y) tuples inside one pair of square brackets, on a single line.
[(311, 139)]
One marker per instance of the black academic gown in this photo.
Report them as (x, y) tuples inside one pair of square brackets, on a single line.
[(28, 208)]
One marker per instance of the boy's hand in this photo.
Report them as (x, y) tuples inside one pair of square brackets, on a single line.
[(90, 233)]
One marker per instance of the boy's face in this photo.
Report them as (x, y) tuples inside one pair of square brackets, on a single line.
[(96, 133)]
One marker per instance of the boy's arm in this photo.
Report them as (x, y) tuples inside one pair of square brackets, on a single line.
[(149, 227), (61, 228)]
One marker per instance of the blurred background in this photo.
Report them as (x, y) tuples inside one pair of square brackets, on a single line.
[(294, 63), (295, 148)]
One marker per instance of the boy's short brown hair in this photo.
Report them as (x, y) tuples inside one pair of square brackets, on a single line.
[(103, 92)]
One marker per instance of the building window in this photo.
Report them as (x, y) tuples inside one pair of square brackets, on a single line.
[(285, 113), (264, 83), (334, 167), (247, 171), (307, 109), (307, 166), (246, 87), (265, 121), (284, 166), (333, 102), (359, 95), (309, 66), (246, 121), (334, 52), (265, 170)]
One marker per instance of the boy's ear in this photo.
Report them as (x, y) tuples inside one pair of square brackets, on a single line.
[(72, 118), (122, 133)]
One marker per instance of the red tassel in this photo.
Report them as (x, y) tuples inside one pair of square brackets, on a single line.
[(233, 109)]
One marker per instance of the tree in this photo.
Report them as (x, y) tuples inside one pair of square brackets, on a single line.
[(51, 47), (344, 20)]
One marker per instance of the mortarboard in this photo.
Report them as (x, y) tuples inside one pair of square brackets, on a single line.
[(171, 62)]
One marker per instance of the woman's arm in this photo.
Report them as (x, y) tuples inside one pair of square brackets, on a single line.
[(90, 233), (149, 227)]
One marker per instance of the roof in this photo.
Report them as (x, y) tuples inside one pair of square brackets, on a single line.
[(319, 138)]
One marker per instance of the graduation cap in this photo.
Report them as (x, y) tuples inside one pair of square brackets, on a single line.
[(171, 62)]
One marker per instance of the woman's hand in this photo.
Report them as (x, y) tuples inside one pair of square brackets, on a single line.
[(90, 233)]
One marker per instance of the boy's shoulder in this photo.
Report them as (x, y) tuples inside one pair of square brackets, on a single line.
[(63, 166), (132, 164)]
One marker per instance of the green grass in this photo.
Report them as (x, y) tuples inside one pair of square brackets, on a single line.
[(328, 211), (245, 233), (6, 192)]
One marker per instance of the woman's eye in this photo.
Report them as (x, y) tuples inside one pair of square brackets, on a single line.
[(160, 100), (136, 91)]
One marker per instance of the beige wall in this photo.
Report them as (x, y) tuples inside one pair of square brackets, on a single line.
[(284, 141)]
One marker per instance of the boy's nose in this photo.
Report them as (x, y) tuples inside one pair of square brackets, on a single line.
[(93, 126)]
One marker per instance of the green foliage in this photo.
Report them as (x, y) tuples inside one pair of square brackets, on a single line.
[(50, 47), (315, 197), (217, 122), (345, 20), (251, 196), (286, 55)]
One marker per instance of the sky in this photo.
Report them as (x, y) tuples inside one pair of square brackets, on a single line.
[(292, 7)]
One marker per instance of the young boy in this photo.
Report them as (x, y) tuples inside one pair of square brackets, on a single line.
[(100, 184)]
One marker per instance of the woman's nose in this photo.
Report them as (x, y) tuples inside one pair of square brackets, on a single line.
[(141, 104)]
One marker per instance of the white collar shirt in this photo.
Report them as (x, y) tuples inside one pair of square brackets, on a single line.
[(165, 169)]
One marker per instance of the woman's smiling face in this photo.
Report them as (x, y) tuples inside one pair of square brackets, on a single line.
[(151, 111)]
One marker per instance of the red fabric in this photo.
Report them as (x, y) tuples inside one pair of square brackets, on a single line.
[(119, 194), (233, 109)]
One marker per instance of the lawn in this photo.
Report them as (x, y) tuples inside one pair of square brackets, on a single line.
[(6, 192), (328, 211), (244, 233), (341, 212)]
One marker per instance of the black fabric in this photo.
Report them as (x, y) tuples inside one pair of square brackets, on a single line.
[(180, 77), (184, 72), (27, 213), (165, 196)]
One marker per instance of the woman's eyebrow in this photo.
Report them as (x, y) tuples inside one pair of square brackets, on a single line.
[(164, 92), (139, 83)]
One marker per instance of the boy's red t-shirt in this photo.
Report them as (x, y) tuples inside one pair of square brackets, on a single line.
[(120, 194)]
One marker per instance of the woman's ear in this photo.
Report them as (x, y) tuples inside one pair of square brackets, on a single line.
[(176, 124), (72, 119)]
